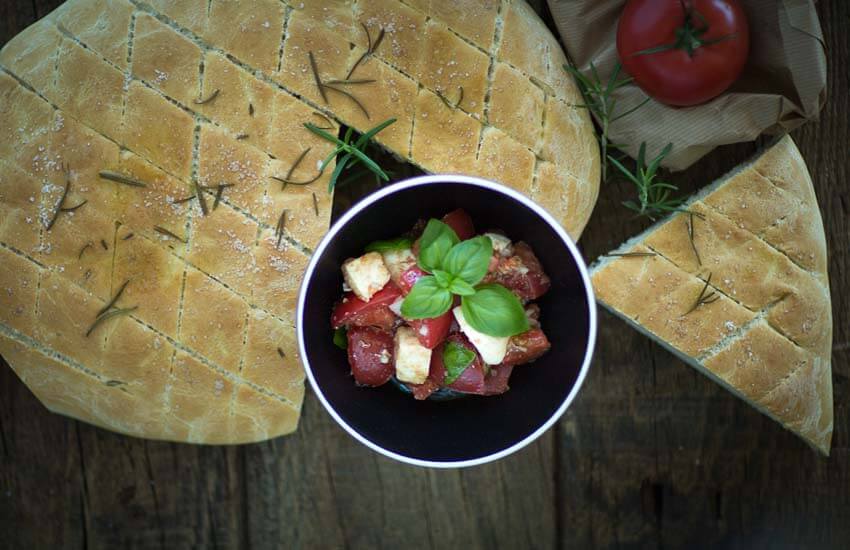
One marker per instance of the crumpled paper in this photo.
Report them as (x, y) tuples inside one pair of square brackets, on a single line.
[(782, 86)]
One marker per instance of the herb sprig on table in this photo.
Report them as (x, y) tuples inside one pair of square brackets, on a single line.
[(599, 99), (654, 197), (457, 269), (354, 152)]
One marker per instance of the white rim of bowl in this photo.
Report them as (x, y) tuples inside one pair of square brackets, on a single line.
[(479, 182)]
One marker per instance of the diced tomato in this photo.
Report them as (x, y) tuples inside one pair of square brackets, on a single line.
[(461, 223), (471, 380), (436, 376), (496, 381), (408, 278), (351, 305), (370, 355), (526, 347), (380, 316), (521, 273), (433, 331)]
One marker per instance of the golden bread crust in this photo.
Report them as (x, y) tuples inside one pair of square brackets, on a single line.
[(768, 336)]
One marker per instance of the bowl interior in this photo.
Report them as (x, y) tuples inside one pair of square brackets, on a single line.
[(473, 427)]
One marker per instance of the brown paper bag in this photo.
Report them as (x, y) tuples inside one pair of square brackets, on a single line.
[(783, 84)]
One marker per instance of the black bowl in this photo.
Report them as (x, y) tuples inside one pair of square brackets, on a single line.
[(472, 430)]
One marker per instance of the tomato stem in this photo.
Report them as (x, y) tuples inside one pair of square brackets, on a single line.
[(689, 36)]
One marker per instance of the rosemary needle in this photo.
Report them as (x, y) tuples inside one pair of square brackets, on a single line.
[(704, 297), (316, 77), (61, 200), (209, 98), (121, 178), (167, 233), (281, 224), (691, 236), (112, 302), (109, 315), (83, 249), (630, 254)]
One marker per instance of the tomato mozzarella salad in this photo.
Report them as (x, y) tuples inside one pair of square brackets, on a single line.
[(441, 308)]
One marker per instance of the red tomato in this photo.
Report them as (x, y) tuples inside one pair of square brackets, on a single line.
[(709, 41), (436, 377), (521, 273), (351, 305), (461, 223), (433, 331), (496, 381), (526, 347), (379, 316), (370, 355), (408, 278)]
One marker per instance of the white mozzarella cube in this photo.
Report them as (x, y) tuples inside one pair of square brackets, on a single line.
[(365, 275), (398, 261), (412, 359), (501, 244), (491, 348)]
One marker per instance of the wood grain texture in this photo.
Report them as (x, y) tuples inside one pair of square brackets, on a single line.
[(650, 455)]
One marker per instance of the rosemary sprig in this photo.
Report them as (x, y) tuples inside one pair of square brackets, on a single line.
[(704, 297), (316, 77), (654, 197), (599, 99), (83, 249), (61, 200), (211, 97), (630, 254), (219, 193), (691, 236), (287, 179), (121, 178), (109, 315), (184, 199), (107, 312), (370, 49), (167, 233), (351, 97), (281, 225), (333, 85), (114, 299), (354, 152), (350, 81)]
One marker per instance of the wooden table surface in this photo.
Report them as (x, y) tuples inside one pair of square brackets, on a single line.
[(651, 454)]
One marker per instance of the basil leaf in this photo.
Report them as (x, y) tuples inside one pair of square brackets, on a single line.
[(456, 358), (435, 243), (393, 244), (494, 310), (443, 279), (426, 300), (470, 259), (341, 338), (461, 288)]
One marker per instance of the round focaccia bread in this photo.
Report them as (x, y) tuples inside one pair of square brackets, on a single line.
[(149, 261)]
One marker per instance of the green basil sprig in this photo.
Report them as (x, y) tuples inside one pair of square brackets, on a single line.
[(456, 358), (386, 246), (456, 268)]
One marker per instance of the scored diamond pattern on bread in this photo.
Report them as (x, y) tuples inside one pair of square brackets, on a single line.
[(187, 96), (765, 329)]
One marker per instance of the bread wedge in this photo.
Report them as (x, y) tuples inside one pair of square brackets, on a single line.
[(745, 300)]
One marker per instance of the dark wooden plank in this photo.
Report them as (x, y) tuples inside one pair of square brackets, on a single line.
[(654, 454)]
